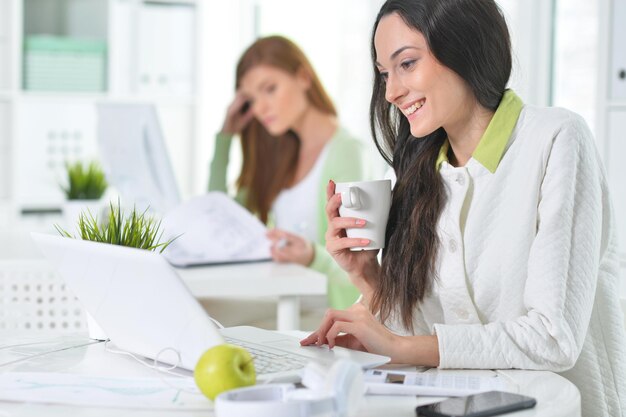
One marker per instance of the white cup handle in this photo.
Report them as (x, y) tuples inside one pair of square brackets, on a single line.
[(350, 198)]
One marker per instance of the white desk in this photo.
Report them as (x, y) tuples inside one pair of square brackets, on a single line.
[(287, 282), (556, 396)]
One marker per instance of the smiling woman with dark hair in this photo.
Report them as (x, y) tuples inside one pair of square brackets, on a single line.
[(500, 246)]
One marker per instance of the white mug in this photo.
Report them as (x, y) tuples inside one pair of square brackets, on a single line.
[(370, 201)]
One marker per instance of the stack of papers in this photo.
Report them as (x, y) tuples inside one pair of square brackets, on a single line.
[(214, 229)]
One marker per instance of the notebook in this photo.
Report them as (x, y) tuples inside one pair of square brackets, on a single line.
[(145, 308)]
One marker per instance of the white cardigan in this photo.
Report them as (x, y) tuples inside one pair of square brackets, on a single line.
[(528, 272)]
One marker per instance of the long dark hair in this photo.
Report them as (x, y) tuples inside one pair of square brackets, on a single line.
[(471, 38), (270, 162)]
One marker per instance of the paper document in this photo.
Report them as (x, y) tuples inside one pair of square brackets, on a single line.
[(93, 391), (390, 382), (213, 228)]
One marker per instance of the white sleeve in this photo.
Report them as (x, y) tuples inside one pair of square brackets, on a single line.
[(563, 268)]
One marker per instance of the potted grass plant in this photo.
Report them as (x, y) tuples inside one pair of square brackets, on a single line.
[(86, 184), (135, 229)]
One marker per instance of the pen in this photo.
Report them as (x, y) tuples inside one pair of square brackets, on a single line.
[(282, 242)]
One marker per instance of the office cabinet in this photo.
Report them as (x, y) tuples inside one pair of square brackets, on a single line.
[(61, 57), (166, 58)]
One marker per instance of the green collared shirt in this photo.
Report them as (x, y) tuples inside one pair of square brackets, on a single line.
[(493, 142)]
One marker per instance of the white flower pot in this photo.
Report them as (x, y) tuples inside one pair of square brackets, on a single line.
[(72, 210)]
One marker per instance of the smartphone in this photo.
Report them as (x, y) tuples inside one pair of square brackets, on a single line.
[(485, 404)]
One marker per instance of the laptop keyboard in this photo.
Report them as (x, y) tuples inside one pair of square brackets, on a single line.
[(266, 362)]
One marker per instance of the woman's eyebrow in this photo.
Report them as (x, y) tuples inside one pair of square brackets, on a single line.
[(398, 52)]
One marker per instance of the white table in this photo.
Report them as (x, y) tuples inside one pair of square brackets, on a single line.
[(556, 396), (287, 282)]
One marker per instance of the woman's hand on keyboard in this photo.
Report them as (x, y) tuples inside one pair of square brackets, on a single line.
[(354, 328)]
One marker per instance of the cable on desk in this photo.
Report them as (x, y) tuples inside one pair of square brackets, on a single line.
[(217, 323), (154, 366)]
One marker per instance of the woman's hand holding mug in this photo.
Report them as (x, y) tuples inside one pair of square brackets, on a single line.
[(354, 238)]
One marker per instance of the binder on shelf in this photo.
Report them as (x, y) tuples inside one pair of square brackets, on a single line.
[(55, 63)]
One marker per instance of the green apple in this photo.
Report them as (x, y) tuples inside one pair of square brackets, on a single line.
[(222, 368)]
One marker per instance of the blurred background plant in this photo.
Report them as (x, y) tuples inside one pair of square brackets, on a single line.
[(84, 182)]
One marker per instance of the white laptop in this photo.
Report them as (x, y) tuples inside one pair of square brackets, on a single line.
[(145, 308)]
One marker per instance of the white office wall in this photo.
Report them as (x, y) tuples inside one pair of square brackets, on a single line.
[(576, 56), (530, 26)]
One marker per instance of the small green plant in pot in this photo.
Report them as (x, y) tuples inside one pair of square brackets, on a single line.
[(135, 230), (86, 184)]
